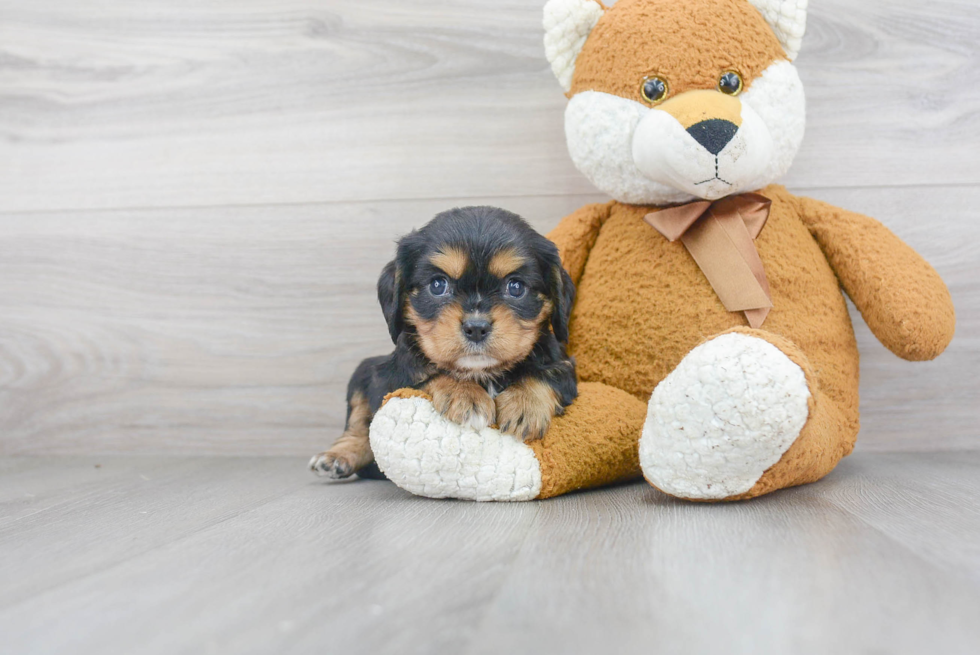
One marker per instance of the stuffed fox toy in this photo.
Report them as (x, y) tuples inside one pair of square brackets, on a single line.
[(714, 347)]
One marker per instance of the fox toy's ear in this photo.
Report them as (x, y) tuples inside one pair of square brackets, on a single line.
[(787, 18), (567, 24)]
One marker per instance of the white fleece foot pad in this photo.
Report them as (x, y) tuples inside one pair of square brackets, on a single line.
[(726, 414), (426, 454)]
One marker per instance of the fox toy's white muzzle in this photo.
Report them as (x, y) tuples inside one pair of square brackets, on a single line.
[(643, 155), (709, 160)]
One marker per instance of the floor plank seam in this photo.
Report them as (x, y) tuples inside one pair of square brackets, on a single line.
[(894, 541), (115, 564), (495, 597)]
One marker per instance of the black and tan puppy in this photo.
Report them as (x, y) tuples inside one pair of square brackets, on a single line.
[(477, 304)]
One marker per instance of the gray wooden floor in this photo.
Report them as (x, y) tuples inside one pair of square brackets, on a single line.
[(253, 555)]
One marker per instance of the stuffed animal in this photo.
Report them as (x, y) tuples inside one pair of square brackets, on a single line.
[(713, 342)]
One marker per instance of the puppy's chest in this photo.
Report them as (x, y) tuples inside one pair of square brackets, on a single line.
[(497, 385), (493, 388)]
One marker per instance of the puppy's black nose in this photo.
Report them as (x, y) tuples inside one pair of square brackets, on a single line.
[(476, 329), (713, 134)]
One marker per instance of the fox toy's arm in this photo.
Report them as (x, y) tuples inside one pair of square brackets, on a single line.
[(900, 296), (576, 234)]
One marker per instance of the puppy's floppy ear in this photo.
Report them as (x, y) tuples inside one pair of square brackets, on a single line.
[(394, 281), (390, 295), (562, 296)]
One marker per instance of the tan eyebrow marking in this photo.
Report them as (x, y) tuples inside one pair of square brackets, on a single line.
[(452, 262), (506, 262)]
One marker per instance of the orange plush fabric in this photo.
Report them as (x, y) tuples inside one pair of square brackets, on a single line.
[(405, 393), (643, 304), (639, 38), (576, 236), (900, 296), (593, 443)]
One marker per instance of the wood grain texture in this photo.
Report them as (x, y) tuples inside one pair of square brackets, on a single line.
[(795, 573), (195, 200), (172, 555), (235, 330), (159, 103)]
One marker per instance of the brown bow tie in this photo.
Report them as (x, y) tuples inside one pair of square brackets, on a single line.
[(719, 235)]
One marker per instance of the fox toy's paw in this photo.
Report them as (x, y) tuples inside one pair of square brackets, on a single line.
[(426, 454), (727, 413)]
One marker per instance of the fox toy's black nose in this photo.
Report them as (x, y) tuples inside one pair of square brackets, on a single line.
[(476, 329), (713, 134)]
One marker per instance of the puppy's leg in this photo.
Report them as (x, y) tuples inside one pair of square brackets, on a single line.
[(525, 408), (462, 401), (352, 451)]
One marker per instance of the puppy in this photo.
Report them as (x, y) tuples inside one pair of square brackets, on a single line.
[(477, 304)]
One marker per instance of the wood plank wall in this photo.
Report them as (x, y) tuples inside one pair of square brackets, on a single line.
[(196, 198)]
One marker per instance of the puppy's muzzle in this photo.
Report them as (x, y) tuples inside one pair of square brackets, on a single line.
[(476, 330)]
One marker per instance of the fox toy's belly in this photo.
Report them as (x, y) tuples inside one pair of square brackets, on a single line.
[(643, 303)]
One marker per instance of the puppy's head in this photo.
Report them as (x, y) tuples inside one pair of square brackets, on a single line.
[(476, 287)]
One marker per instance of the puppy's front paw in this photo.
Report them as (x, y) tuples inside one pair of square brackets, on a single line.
[(335, 466), (462, 402), (525, 409)]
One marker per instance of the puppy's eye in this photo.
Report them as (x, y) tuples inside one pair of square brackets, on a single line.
[(654, 89), (730, 83), (439, 286), (516, 289)]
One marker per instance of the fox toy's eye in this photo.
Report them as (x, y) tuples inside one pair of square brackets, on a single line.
[(439, 286), (730, 83), (654, 89), (516, 289)]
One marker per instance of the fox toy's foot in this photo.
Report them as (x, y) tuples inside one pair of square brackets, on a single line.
[(592, 444), (425, 453), (726, 414), (740, 416)]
